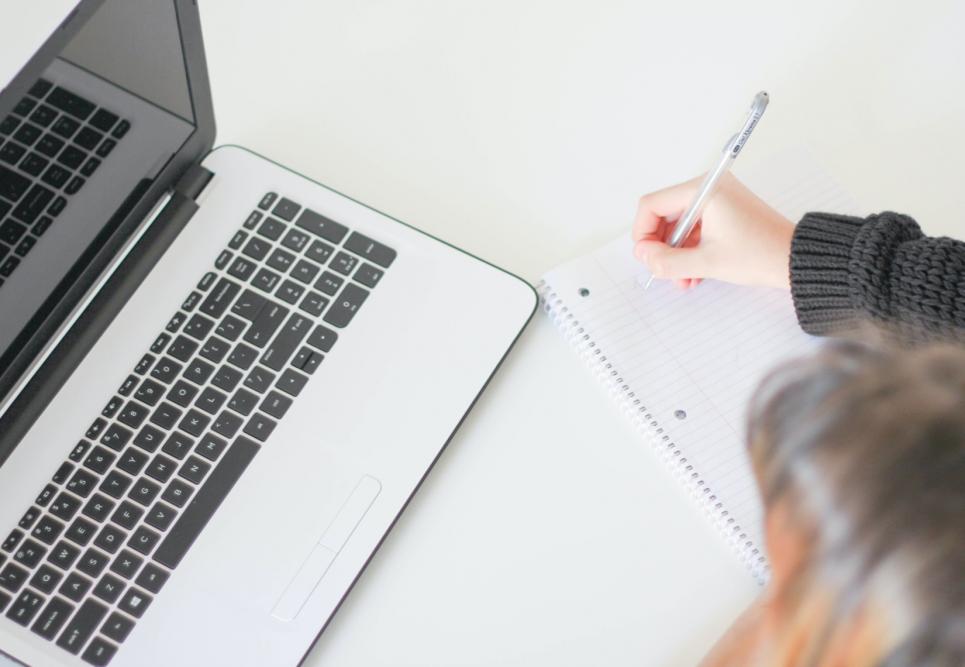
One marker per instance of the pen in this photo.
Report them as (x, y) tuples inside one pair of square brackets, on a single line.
[(734, 145)]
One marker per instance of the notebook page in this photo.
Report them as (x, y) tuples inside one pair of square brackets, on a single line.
[(692, 359)]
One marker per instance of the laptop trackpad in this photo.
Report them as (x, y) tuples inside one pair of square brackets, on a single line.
[(322, 555)]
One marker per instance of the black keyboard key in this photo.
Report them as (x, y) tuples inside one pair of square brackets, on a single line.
[(223, 258), (57, 206), (11, 152), (28, 134), (144, 540), (74, 185), (178, 445), (167, 415), (69, 103), (13, 577), (267, 200), (319, 252), (152, 578), (265, 280), (133, 413), (109, 588), (99, 652), (33, 164), (346, 305), (112, 407), (117, 627), (249, 305), (161, 468), (230, 328), (13, 539), (115, 484), (175, 322), (65, 127), (63, 472), (93, 562), (295, 240), (290, 292), (319, 225), (75, 587), (313, 303), (127, 515), (25, 607), (150, 392), (134, 602), (281, 260), (99, 460), (40, 88), (291, 382), (238, 239), (305, 271), (198, 371), (256, 248), (182, 393), (242, 268), (106, 147), (190, 303), (166, 370), (50, 146), (65, 506), (98, 507), (322, 338), (109, 539), (26, 243), (90, 166), (72, 157), (306, 360), (144, 491), (33, 203), (252, 220), (226, 424), (329, 283), (47, 530), (210, 400), (243, 402), (81, 531), (177, 493), (373, 251), (220, 298), (45, 579), (88, 138), (264, 326), (271, 229), (275, 404), (116, 436), (11, 232), (227, 378), (24, 106), (194, 470), (121, 129), (194, 423), (160, 516), (286, 342), (126, 564), (207, 280), (103, 120), (368, 275), (82, 483), (28, 518), (198, 326), (128, 385), (82, 625), (8, 125), (43, 115), (29, 553), (63, 555), (286, 209), (209, 497), (52, 618), (211, 446), (343, 263), (132, 461), (12, 184), (259, 379)]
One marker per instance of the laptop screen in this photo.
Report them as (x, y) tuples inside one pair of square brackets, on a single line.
[(80, 148)]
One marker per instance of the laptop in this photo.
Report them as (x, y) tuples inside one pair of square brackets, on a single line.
[(220, 381)]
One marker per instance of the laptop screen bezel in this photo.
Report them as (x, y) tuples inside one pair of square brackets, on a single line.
[(58, 308)]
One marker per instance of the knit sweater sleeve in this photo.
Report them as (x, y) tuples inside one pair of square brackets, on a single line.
[(880, 268)]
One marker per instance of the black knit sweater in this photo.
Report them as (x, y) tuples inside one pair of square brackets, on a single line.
[(882, 268)]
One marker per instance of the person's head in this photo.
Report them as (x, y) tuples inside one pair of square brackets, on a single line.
[(859, 452)]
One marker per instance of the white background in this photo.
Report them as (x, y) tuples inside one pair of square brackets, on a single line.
[(524, 131)]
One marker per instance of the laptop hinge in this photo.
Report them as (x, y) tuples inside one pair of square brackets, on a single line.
[(193, 181)]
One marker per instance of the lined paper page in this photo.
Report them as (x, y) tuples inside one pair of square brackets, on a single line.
[(694, 358)]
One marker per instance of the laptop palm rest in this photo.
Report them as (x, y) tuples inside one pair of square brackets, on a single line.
[(324, 553)]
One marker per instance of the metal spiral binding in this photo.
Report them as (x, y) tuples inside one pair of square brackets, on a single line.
[(645, 423)]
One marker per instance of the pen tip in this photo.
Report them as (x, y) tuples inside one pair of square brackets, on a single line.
[(647, 286)]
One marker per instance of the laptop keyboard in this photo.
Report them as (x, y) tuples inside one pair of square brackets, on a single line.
[(49, 146), (104, 535)]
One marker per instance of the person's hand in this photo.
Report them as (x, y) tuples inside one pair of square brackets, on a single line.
[(739, 238)]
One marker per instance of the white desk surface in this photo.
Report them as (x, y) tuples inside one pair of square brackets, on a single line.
[(524, 131)]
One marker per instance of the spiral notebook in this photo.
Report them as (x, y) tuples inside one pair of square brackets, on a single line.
[(683, 365)]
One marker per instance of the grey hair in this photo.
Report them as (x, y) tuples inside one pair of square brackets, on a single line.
[(868, 444)]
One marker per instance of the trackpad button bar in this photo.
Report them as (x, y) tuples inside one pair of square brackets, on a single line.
[(323, 554)]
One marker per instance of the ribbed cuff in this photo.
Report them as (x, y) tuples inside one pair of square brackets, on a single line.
[(820, 286)]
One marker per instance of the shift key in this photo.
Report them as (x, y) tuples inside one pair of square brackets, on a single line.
[(266, 324), (289, 338)]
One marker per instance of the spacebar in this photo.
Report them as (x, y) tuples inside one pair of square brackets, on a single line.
[(206, 502)]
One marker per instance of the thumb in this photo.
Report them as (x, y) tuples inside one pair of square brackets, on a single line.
[(663, 261)]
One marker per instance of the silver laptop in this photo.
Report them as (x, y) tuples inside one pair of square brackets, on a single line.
[(220, 381)]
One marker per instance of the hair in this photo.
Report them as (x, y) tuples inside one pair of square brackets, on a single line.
[(865, 444)]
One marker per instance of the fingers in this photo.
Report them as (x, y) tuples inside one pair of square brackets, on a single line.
[(657, 207), (678, 263)]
